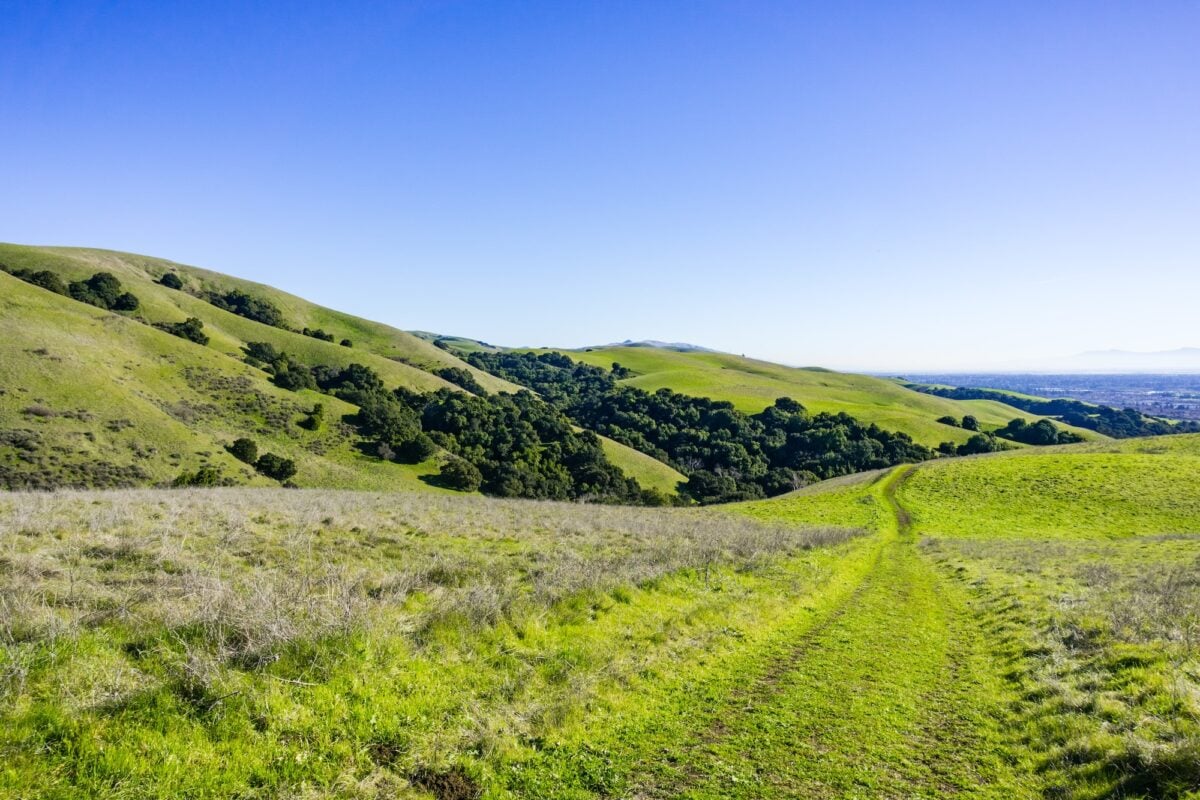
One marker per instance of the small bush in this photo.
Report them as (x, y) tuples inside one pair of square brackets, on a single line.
[(970, 423), (171, 281), (248, 306), (462, 475), (207, 475), (314, 419), (317, 333), (948, 420), (347, 343), (244, 449), (981, 443), (276, 467), (192, 330)]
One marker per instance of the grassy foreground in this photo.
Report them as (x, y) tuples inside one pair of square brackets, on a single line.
[(1016, 625), (272, 643)]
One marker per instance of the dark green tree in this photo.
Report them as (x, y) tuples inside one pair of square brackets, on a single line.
[(462, 475), (248, 306), (48, 280), (192, 329), (171, 280), (244, 449), (275, 467)]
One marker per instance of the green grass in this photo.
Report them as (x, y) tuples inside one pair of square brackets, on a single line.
[(650, 473), (1081, 563), (1138, 487), (273, 643), (753, 385), (400, 357), (840, 501), (1103, 642)]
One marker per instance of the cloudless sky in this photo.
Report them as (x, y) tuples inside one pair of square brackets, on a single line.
[(859, 185)]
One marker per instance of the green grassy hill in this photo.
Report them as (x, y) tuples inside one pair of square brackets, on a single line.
[(93, 398), (752, 385)]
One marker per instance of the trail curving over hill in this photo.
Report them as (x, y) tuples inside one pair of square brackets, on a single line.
[(886, 695)]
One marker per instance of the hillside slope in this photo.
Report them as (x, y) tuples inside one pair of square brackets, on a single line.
[(752, 385), (94, 398), (91, 398)]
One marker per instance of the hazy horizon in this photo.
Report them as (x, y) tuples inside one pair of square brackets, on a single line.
[(863, 187)]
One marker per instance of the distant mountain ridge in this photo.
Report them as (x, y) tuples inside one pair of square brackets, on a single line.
[(1182, 359), (679, 347)]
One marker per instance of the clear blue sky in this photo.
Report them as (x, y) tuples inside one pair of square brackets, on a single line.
[(863, 185)]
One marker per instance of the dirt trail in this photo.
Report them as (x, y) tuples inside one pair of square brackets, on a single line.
[(886, 697)]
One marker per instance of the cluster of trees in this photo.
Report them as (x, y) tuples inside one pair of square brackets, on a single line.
[(394, 427), (273, 466), (260, 310), (521, 446), (1042, 432), (506, 445), (247, 305), (979, 443), (287, 372), (1120, 423), (967, 423), (191, 329), (726, 454), (462, 378), (102, 290)]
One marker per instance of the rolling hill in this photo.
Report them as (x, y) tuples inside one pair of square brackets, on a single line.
[(752, 385), (1019, 624), (93, 398)]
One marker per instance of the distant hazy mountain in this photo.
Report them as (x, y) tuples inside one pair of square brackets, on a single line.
[(1184, 359), (682, 347)]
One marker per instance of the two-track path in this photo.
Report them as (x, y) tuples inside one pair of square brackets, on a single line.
[(890, 695)]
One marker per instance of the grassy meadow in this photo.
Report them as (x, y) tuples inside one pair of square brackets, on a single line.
[(1084, 562), (879, 635), (282, 643)]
